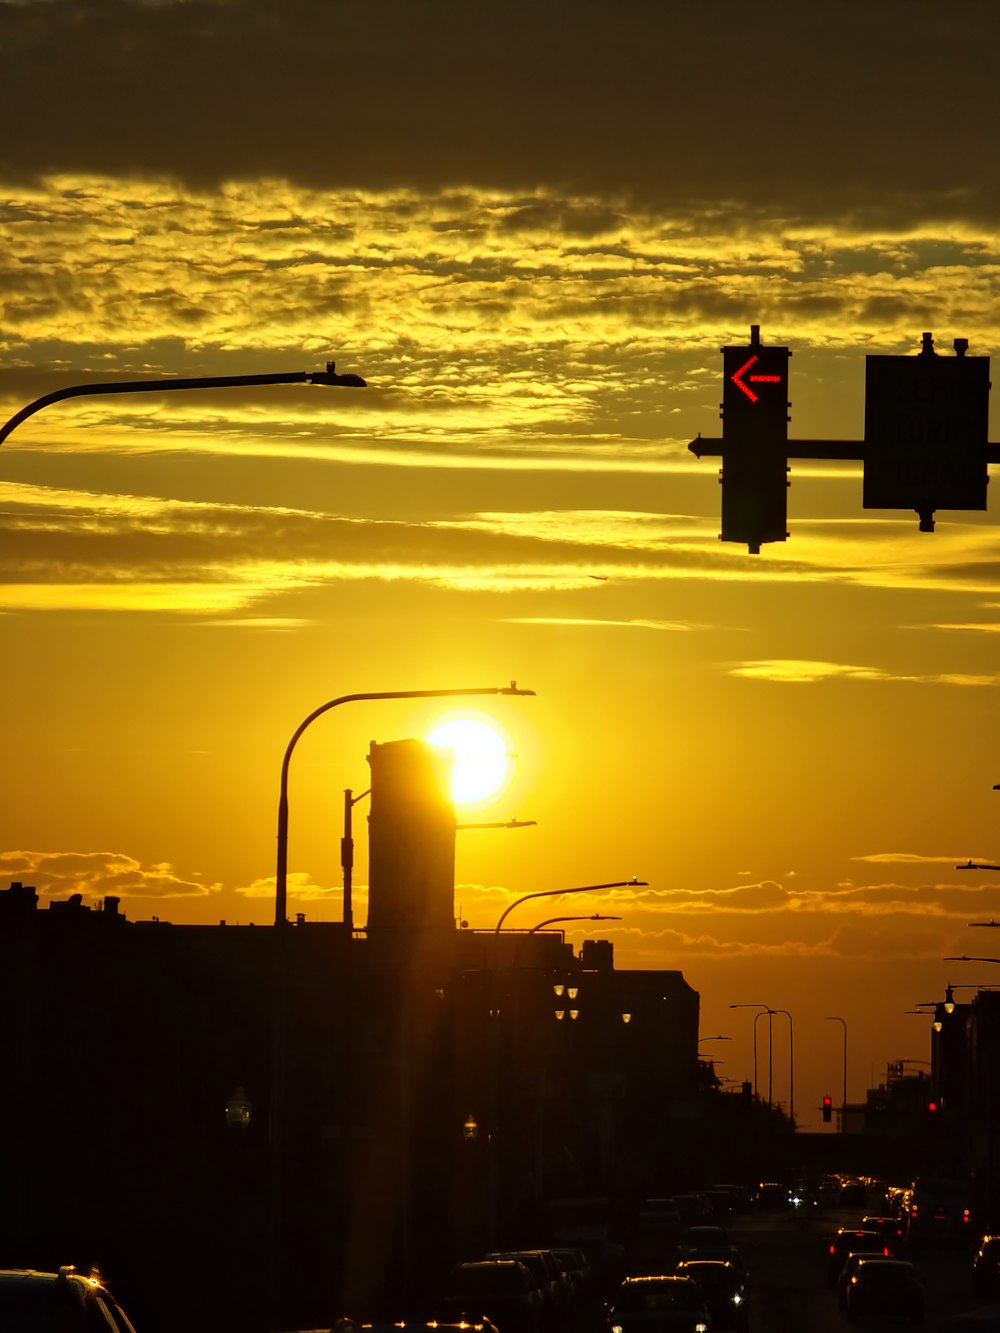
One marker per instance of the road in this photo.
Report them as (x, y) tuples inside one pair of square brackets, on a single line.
[(787, 1257)]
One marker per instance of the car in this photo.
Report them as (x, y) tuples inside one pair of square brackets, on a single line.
[(724, 1289), (852, 1240), (652, 1237), (720, 1254), (772, 1196), (67, 1301), (890, 1228), (940, 1210), (853, 1194), (501, 1290), (695, 1208), (544, 1268), (885, 1287), (575, 1270), (348, 1325), (848, 1269), (986, 1267), (660, 1304)]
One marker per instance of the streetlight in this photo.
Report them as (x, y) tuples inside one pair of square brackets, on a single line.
[(791, 1068), (553, 893), (281, 872), (328, 376), (761, 1009), (598, 916), (276, 1183), (834, 1018)]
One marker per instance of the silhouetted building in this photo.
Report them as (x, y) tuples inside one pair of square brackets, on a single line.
[(430, 1086)]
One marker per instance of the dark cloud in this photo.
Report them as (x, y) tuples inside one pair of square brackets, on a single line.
[(855, 110)]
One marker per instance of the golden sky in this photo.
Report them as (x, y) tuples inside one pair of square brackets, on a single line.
[(531, 229)]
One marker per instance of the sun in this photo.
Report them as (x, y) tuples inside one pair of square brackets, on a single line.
[(482, 761)]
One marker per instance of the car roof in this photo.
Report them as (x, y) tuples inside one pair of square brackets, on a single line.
[(875, 1263), (655, 1279), (689, 1264)]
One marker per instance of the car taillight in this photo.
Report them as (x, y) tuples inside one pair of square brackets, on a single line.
[(833, 1249), (885, 1249)]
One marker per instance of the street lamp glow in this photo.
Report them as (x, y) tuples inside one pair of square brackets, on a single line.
[(482, 759)]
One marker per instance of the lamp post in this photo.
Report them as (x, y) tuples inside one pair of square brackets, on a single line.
[(553, 893), (761, 1009), (281, 871), (328, 377), (834, 1018), (277, 1102), (791, 1068)]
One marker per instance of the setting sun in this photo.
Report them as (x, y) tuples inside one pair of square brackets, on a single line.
[(482, 762)]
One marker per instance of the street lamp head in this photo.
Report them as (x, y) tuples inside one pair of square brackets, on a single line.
[(330, 377), (514, 688)]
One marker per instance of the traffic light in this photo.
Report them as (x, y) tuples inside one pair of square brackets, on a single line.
[(754, 443), (926, 429), (827, 1109)]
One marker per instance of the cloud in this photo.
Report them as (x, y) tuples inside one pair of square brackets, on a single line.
[(906, 858), (513, 97), (793, 671), (301, 887), (672, 626), (99, 875)]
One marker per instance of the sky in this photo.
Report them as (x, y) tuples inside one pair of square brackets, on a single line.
[(531, 228)]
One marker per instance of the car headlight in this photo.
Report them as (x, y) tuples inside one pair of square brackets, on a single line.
[(617, 1328), (737, 1298), (701, 1327)]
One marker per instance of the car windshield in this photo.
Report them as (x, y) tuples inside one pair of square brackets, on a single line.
[(678, 1296), (873, 1271), (714, 1277)]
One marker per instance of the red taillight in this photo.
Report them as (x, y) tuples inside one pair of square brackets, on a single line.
[(833, 1249), (885, 1250)]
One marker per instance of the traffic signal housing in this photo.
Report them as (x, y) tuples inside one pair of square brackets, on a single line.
[(827, 1109), (754, 443), (926, 429)]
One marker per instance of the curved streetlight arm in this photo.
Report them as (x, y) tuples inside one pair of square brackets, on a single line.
[(554, 893), (507, 823), (328, 376), (761, 1009), (791, 1068), (281, 870), (972, 865), (835, 1018), (598, 916)]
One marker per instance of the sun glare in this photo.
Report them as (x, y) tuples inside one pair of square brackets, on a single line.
[(482, 762)]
